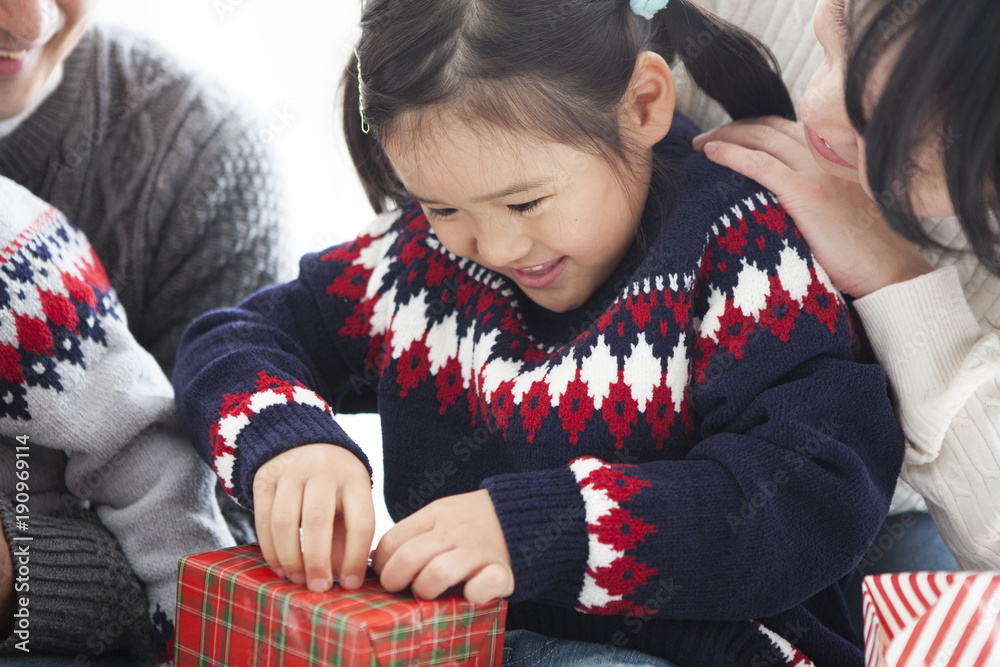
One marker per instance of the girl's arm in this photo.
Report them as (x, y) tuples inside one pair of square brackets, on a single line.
[(257, 388)]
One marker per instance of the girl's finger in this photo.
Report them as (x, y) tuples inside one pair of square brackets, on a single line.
[(766, 169), (449, 569), (286, 516), (492, 581), (359, 523), (263, 498), (411, 558), (319, 507), (419, 522)]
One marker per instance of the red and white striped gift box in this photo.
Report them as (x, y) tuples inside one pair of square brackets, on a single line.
[(932, 619)]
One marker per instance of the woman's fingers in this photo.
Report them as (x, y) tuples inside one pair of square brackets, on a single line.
[(758, 130), (756, 165), (786, 141)]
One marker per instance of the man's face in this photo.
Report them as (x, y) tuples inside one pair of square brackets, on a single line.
[(35, 36)]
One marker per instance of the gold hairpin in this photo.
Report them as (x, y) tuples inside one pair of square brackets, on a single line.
[(365, 127)]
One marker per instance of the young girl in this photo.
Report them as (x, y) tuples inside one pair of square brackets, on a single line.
[(614, 385)]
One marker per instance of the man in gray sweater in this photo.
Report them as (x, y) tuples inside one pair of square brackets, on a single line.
[(175, 193)]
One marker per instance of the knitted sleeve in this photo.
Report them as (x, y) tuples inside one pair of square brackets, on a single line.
[(83, 596), (946, 375), (281, 352), (793, 458), (74, 379), (214, 229)]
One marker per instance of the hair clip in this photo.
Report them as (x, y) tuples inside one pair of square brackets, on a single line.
[(648, 8), (365, 127)]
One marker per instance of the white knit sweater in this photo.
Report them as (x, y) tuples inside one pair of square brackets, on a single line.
[(934, 335)]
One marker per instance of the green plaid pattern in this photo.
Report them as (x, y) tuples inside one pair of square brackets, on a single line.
[(233, 610)]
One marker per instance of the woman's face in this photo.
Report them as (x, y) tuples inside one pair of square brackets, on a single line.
[(833, 140), (35, 36)]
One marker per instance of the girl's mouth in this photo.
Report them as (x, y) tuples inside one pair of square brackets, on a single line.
[(540, 276)]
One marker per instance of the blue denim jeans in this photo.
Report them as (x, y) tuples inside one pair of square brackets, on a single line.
[(522, 648), (907, 542)]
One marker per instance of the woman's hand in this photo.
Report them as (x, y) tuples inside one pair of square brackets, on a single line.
[(840, 222), (326, 490), (6, 588), (452, 540)]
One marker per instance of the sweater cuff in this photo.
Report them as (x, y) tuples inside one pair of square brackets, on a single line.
[(82, 596), (544, 524), (921, 330), (276, 430)]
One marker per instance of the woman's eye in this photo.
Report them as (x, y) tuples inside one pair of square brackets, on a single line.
[(524, 208), (441, 212)]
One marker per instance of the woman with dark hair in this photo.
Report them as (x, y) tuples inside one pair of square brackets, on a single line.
[(613, 384), (894, 181)]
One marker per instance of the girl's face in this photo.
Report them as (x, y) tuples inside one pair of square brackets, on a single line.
[(833, 140), (555, 220), (35, 36)]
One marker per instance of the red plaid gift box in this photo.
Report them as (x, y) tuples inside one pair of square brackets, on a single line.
[(931, 619), (233, 610)]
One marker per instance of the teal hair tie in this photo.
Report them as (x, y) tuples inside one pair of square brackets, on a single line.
[(647, 8)]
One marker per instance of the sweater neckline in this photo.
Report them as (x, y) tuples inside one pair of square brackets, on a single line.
[(8, 125)]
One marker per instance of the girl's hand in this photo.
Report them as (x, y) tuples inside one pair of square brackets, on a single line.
[(326, 490), (840, 222), (453, 539)]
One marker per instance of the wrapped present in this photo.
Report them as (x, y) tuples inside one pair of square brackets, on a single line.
[(931, 619), (233, 610)]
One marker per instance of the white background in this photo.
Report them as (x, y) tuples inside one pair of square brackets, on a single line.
[(283, 61)]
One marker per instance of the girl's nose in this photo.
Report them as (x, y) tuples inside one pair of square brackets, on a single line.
[(23, 23), (502, 242)]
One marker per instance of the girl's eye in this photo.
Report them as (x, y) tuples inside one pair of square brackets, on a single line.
[(441, 212), (524, 208)]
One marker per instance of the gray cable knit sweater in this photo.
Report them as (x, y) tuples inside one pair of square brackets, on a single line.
[(174, 190)]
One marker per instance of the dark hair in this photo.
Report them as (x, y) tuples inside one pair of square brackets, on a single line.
[(556, 67), (942, 94)]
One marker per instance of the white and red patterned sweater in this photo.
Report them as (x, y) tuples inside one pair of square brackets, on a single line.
[(686, 465), (85, 410)]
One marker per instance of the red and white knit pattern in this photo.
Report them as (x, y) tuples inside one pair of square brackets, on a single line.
[(612, 573), (237, 411), (792, 655), (534, 382)]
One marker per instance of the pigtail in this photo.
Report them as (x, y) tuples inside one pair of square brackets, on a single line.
[(730, 65), (370, 161)]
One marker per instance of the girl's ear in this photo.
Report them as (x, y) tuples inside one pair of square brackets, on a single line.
[(651, 98)]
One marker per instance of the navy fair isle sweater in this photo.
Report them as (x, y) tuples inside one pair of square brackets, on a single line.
[(686, 465)]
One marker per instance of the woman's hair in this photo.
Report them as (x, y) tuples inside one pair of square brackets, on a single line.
[(941, 99), (558, 69)]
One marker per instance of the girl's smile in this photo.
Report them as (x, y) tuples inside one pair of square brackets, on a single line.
[(554, 219)]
